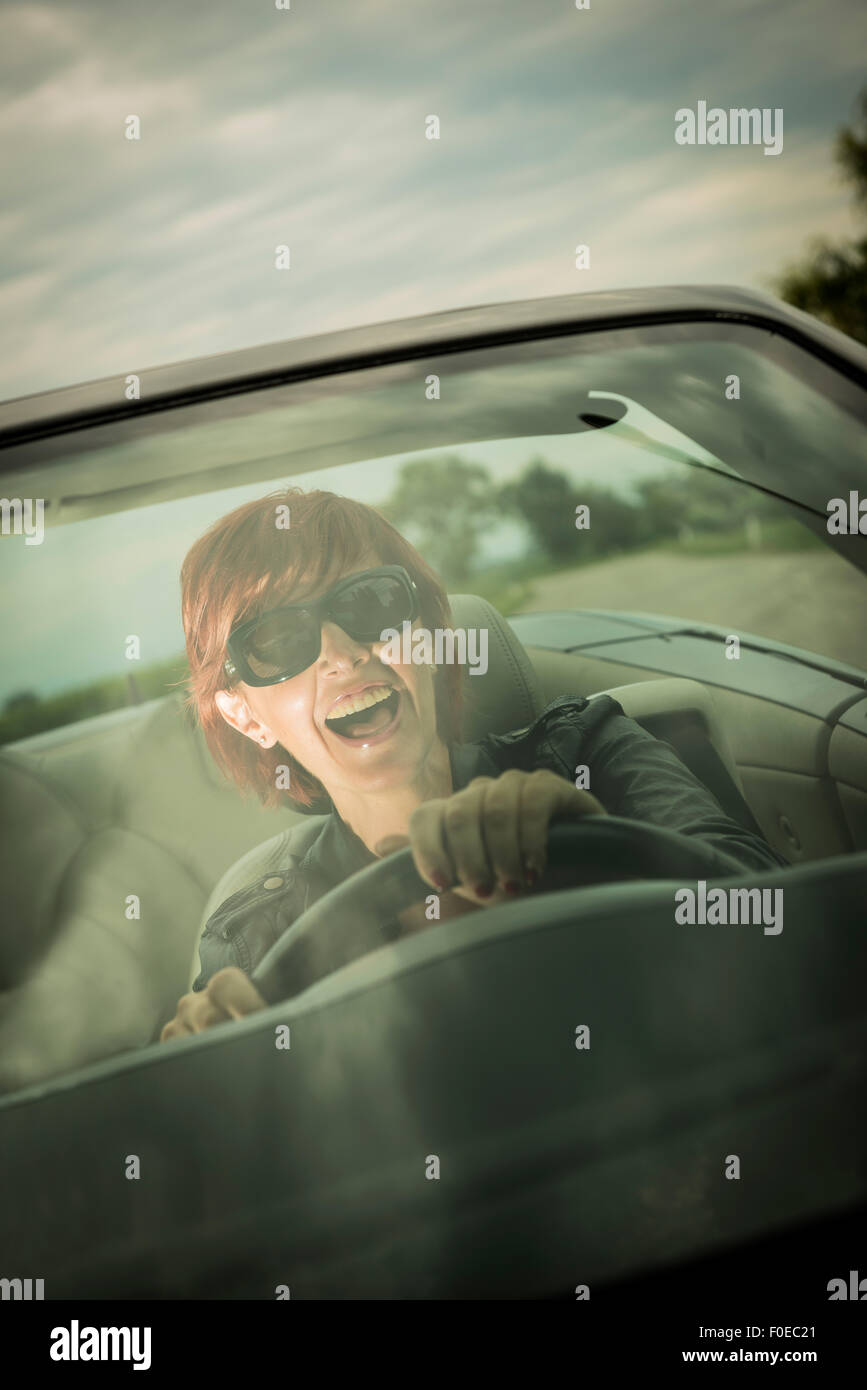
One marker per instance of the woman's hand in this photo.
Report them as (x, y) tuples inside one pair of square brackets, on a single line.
[(228, 994), (489, 841)]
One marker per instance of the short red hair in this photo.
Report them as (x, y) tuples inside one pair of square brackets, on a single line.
[(246, 564)]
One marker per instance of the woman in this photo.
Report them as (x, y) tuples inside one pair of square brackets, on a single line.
[(300, 696)]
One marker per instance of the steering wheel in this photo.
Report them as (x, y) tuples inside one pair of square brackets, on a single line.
[(358, 916)]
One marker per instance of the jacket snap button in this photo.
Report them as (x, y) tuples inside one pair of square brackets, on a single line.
[(273, 883), (789, 832)]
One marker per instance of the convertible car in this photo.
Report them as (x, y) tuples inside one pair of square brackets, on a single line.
[(559, 1097)]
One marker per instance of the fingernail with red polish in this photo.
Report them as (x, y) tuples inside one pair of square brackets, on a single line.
[(511, 886), (483, 890), (440, 880), (532, 877)]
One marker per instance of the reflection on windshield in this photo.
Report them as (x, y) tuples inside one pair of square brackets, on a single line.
[(485, 479)]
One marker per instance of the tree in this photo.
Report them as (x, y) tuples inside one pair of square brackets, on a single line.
[(21, 700), (546, 498), (699, 500), (831, 282), (444, 505)]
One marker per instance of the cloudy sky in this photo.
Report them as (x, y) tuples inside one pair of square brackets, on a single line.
[(306, 127)]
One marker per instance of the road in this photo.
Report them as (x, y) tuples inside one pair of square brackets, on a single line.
[(809, 598)]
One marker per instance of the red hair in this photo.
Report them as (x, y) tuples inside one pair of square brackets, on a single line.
[(246, 564)]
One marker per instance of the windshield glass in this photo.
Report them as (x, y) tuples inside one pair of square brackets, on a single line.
[(684, 472)]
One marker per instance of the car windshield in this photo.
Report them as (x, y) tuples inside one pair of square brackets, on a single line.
[(684, 472), (653, 802)]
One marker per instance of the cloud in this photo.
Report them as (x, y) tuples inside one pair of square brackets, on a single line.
[(306, 127)]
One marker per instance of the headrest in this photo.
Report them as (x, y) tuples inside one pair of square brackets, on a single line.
[(507, 696)]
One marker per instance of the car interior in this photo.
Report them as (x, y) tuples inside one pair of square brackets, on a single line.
[(133, 797), (122, 836)]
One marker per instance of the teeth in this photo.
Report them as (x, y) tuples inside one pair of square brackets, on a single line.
[(355, 703)]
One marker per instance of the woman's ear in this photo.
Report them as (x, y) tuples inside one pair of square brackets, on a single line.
[(236, 712)]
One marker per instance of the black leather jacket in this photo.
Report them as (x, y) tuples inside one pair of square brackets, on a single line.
[(632, 773)]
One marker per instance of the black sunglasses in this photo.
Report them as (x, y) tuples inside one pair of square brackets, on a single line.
[(283, 643)]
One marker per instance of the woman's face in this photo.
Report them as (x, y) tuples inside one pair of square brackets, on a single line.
[(383, 750)]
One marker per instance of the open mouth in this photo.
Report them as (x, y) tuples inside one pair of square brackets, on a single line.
[(369, 714)]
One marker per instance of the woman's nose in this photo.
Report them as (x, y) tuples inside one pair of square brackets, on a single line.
[(338, 648)]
